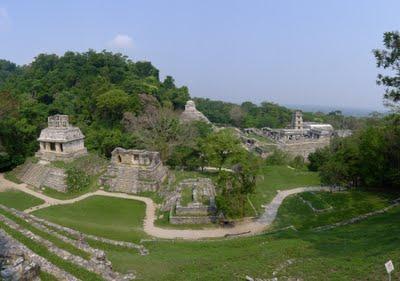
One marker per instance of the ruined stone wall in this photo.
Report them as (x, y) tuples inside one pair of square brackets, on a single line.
[(191, 220), (304, 148), (192, 210), (156, 173), (56, 179)]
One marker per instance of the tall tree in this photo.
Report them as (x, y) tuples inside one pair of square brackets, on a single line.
[(389, 58)]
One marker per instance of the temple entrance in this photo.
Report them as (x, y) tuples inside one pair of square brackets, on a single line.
[(52, 146)]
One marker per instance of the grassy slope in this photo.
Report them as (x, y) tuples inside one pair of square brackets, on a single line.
[(345, 206), (113, 218), (280, 177), (18, 199)]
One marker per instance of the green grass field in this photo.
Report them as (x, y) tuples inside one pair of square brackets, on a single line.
[(355, 252), (316, 201), (275, 178), (18, 199), (114, 218)]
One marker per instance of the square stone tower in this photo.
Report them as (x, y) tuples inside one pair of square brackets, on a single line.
[(297, 120), (60, 140)]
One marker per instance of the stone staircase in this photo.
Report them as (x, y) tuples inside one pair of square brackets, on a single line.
[(35, 174), (126, 180)]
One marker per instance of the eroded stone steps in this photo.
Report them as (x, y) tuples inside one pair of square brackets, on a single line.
[(35, 174), (93, 265), (45, 265)]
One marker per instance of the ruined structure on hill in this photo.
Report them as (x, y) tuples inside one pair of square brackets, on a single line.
[(134, 171), (60, 140), (302, 138), (192, 114)]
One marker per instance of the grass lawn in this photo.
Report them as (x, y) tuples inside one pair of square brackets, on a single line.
[(186, 196), (315, 200), (355, 252), (18, 199), (274, 178), (345, 205), (113, 218)]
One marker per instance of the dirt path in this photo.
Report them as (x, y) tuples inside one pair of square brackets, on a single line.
[(245, 228)]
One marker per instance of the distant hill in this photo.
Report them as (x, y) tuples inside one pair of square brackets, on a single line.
[(347, 111)]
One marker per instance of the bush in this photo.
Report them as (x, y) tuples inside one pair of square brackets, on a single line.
[(318, 158), (185, 157), (278, 157), (297, 162), (77, 180)]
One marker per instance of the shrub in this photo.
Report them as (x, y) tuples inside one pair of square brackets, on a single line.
[(278, 157), (77, 180), (297, 162)]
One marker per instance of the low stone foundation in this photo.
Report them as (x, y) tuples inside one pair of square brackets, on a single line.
[(201, 209), (192, 219)]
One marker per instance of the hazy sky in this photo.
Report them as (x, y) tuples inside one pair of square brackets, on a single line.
[(290, 52)]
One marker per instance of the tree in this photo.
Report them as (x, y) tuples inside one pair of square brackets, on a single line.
[(112, 104), (220, 147), (318, 158), (235, 186), (389, 58)]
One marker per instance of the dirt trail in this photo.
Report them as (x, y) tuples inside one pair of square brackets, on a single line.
[(244, 228)]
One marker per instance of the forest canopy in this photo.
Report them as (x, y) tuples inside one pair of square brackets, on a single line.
[(116, 102)]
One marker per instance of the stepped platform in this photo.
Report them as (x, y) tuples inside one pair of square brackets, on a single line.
[(43, 175)]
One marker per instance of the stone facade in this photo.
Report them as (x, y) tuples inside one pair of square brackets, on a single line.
[(192, 114), (60, 140), (202, 207), (134, 171)]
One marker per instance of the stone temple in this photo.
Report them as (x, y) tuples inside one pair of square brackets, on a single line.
[(60, 140), (134, 171), (192, 114)]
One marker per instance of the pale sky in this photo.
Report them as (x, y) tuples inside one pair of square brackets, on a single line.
[(290, 52)]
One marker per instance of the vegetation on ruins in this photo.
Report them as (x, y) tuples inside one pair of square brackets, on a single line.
[(77, 179)]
